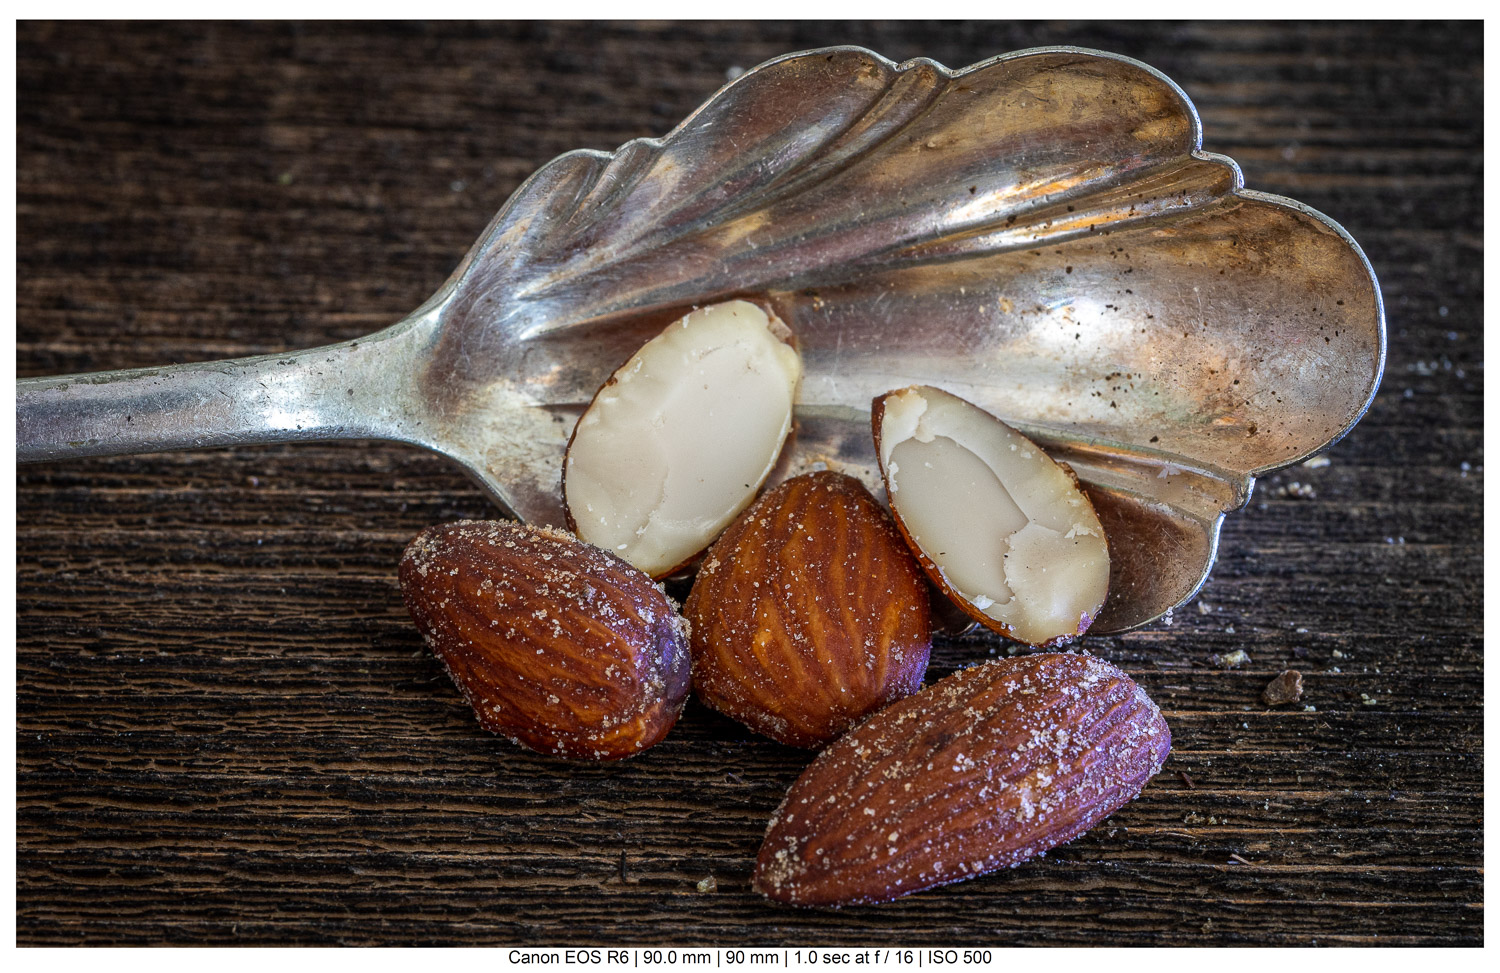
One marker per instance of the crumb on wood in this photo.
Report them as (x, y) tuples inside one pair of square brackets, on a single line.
[(1297, 491), (1285, 688), (709, 884), (1230, 660)]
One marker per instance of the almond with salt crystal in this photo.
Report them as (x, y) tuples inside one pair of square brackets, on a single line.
[(981, 771), (560, 646)]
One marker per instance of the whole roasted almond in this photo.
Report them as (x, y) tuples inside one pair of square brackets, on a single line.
[(809, 612), (978, 772), (560, 646)]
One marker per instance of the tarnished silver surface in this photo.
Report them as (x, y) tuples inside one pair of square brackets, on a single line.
[(1039, 233)]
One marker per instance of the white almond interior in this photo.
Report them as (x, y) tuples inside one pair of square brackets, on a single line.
[(1006, 527), (679, 440)]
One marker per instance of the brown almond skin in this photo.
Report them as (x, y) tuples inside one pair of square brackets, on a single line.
[(935, 574), (557, 645), (980, 771), (809, 613)]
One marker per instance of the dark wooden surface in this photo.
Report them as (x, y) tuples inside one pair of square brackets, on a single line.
[(229, 732)]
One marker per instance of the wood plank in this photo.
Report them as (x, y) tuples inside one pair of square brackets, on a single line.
[(228, 730)]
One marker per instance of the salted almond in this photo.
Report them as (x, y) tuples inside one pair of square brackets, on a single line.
[(681, 437), (999, 527), (809, 613), (980, 771), (559, 646)]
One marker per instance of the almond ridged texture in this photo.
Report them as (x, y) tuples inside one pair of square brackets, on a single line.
[(980, 771), (809, 612), (559, 646)]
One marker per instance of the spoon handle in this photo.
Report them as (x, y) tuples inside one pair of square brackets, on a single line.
[(352, 390)]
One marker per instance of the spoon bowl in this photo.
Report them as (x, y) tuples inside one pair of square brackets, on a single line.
[(1039, 233)]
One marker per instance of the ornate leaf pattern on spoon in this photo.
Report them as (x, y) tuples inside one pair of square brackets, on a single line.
[(1040, 233)]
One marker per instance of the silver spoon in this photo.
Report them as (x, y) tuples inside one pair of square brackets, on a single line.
[(1039, 233)]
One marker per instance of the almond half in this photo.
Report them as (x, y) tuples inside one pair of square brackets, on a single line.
[(998, 526), (681, 437), (980, 771)]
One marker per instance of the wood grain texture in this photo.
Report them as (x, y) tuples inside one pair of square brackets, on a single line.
[(228, 731)]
